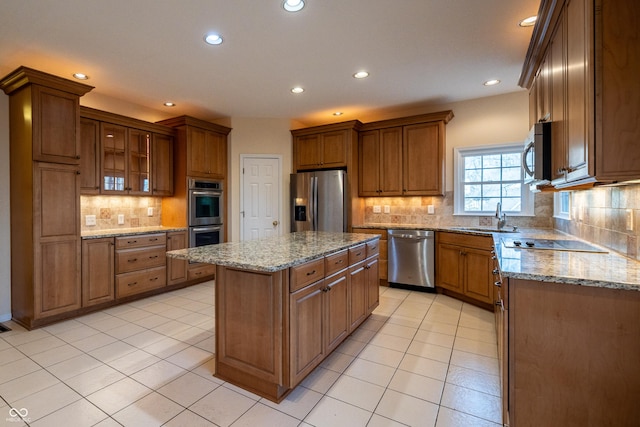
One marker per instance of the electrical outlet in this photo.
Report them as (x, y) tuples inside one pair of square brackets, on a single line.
[(90, 220), (376, 209), (629, 219), (431, 209), (150, 211), (387, 209), (120, 219)]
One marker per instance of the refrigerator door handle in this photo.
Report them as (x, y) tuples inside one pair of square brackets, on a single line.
[(314, 203)]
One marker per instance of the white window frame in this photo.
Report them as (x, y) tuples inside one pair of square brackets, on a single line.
[(527, 197), (557, 205)]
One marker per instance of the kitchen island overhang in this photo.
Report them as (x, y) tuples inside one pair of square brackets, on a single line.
[(284, 303)]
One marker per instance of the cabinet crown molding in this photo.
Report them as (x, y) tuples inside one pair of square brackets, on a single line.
[(23, 76), (192, 121)]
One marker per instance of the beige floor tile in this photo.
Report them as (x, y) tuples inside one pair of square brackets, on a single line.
[(449, 319), (450, 418), (91, 381), (74, 366), (351, 347), (190, 419), (410, 322), (47, 401), (4, 345), (262, 415), (112, 351), (425, 367), (26, 385), (477, 334), (158, 374), (194, 319), (153, 410), (407, 409), (18, 337), (380, 421), (94, 341), (151, 321), (108, 324), (165, 347), (17, 369), (192, 335), (398, 330), (337, 361), (372, 372), (133, 314), (242, 391), (10, 355), (144, 338), (190, 357), (363, 335), (171, 327), (207, 371), (207, 344), (187, 389), (472, 402), (476, 347), (78, 414), (56, 355), (133, 362), (430, 351), (436, 338), (125, 331), (381, 355), (38, 346), (476, 362), (320, 379), (78, 333), (60, 327), (222, 406), (419, 386), (93, 317), (330, 412), (356, 392), (475, 380), (441, 328), (298, 403), (391, 342), (118, 395)]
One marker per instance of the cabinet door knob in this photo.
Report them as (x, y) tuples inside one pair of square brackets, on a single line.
[(498, 284)]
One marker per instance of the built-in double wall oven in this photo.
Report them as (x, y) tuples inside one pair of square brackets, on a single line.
[(206, 207)]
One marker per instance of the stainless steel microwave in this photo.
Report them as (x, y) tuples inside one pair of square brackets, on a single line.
[(536, 158)]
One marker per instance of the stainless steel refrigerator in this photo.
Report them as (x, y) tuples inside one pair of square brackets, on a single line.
[(319, 201)]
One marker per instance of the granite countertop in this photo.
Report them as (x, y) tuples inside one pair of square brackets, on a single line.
[(606, 270), (273, 253), (117, 232)]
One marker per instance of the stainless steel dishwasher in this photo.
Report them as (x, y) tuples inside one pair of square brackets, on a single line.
[(412, 258)]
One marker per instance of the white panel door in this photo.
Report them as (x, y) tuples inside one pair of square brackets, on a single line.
[(261, 198)]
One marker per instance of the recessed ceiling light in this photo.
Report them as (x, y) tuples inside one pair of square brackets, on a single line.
[(528, 22), (213, 39), (297, 89), (80, 76), (361, 74), (491, 82), (169, 104), (338, 113), (293, 5)]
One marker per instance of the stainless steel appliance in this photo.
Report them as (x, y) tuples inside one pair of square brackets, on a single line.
[(319, 201), (205, 202), (550, 244), (412, 258), (536, 158), (206, 207)]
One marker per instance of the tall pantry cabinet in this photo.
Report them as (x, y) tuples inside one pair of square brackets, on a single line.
[(44, 118)]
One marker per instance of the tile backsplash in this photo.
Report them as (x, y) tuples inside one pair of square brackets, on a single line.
[(608, 216), (107, 208), (414, 210)]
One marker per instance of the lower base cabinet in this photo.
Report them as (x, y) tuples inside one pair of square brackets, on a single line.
[(273, 329), (98, 276)]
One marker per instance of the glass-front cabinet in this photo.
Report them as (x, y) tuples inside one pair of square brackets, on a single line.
[(125, 160), (139, 164)]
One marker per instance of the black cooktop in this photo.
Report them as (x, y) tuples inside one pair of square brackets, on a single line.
[(548, 244)]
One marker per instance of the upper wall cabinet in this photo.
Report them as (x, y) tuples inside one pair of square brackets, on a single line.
[(582, 73), (323, 147), (125, 156), (403, 157)]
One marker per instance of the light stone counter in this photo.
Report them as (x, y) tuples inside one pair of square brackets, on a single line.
[(607, 270), (117, 232), (273, 253)]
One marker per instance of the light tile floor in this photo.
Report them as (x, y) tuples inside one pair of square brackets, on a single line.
[(419, 360)]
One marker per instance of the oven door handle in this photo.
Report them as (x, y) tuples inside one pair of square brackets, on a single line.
[(201, 229), (206, 193)]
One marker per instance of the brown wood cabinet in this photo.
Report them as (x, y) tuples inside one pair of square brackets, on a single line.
[(276, 327), (582, 64), (324, 147), (45, 156), (502, 323), (177, 268), (464, 265), (573, 355), (125, 156), (383, 257), (98, 273), (140, 263), (403, 156), (206, 153)]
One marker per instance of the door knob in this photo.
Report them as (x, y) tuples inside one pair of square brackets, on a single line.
[(275, 223)]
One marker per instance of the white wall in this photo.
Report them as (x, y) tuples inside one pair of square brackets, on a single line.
[(5, 228), (257, 136)]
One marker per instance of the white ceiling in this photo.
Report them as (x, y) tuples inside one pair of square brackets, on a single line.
[(145, 52)]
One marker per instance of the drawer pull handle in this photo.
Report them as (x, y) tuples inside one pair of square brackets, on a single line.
[(197, 273), (130, 242), (311, 273), (132, 260), (359, 253), (153, 279), (340, 261), (153, 240), (132, 284), (153, 257)]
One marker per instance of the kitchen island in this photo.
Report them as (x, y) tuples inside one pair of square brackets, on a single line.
[(283, 304)]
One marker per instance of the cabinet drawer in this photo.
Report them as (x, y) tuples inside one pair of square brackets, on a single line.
[(357, 253), (336, 262), (141, 240), (140, 281), (139, 259), (373, 248), (302, 275), (198, 271), (466, 240)]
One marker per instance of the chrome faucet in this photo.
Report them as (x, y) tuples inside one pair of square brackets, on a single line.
[(502, 217)]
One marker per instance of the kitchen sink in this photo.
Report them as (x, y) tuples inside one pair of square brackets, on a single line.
[(488, 229)]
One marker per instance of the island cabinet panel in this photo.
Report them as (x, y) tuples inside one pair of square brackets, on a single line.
[(357, 295), (573, 355), (177, 269), (337, 310), (307, 342)]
